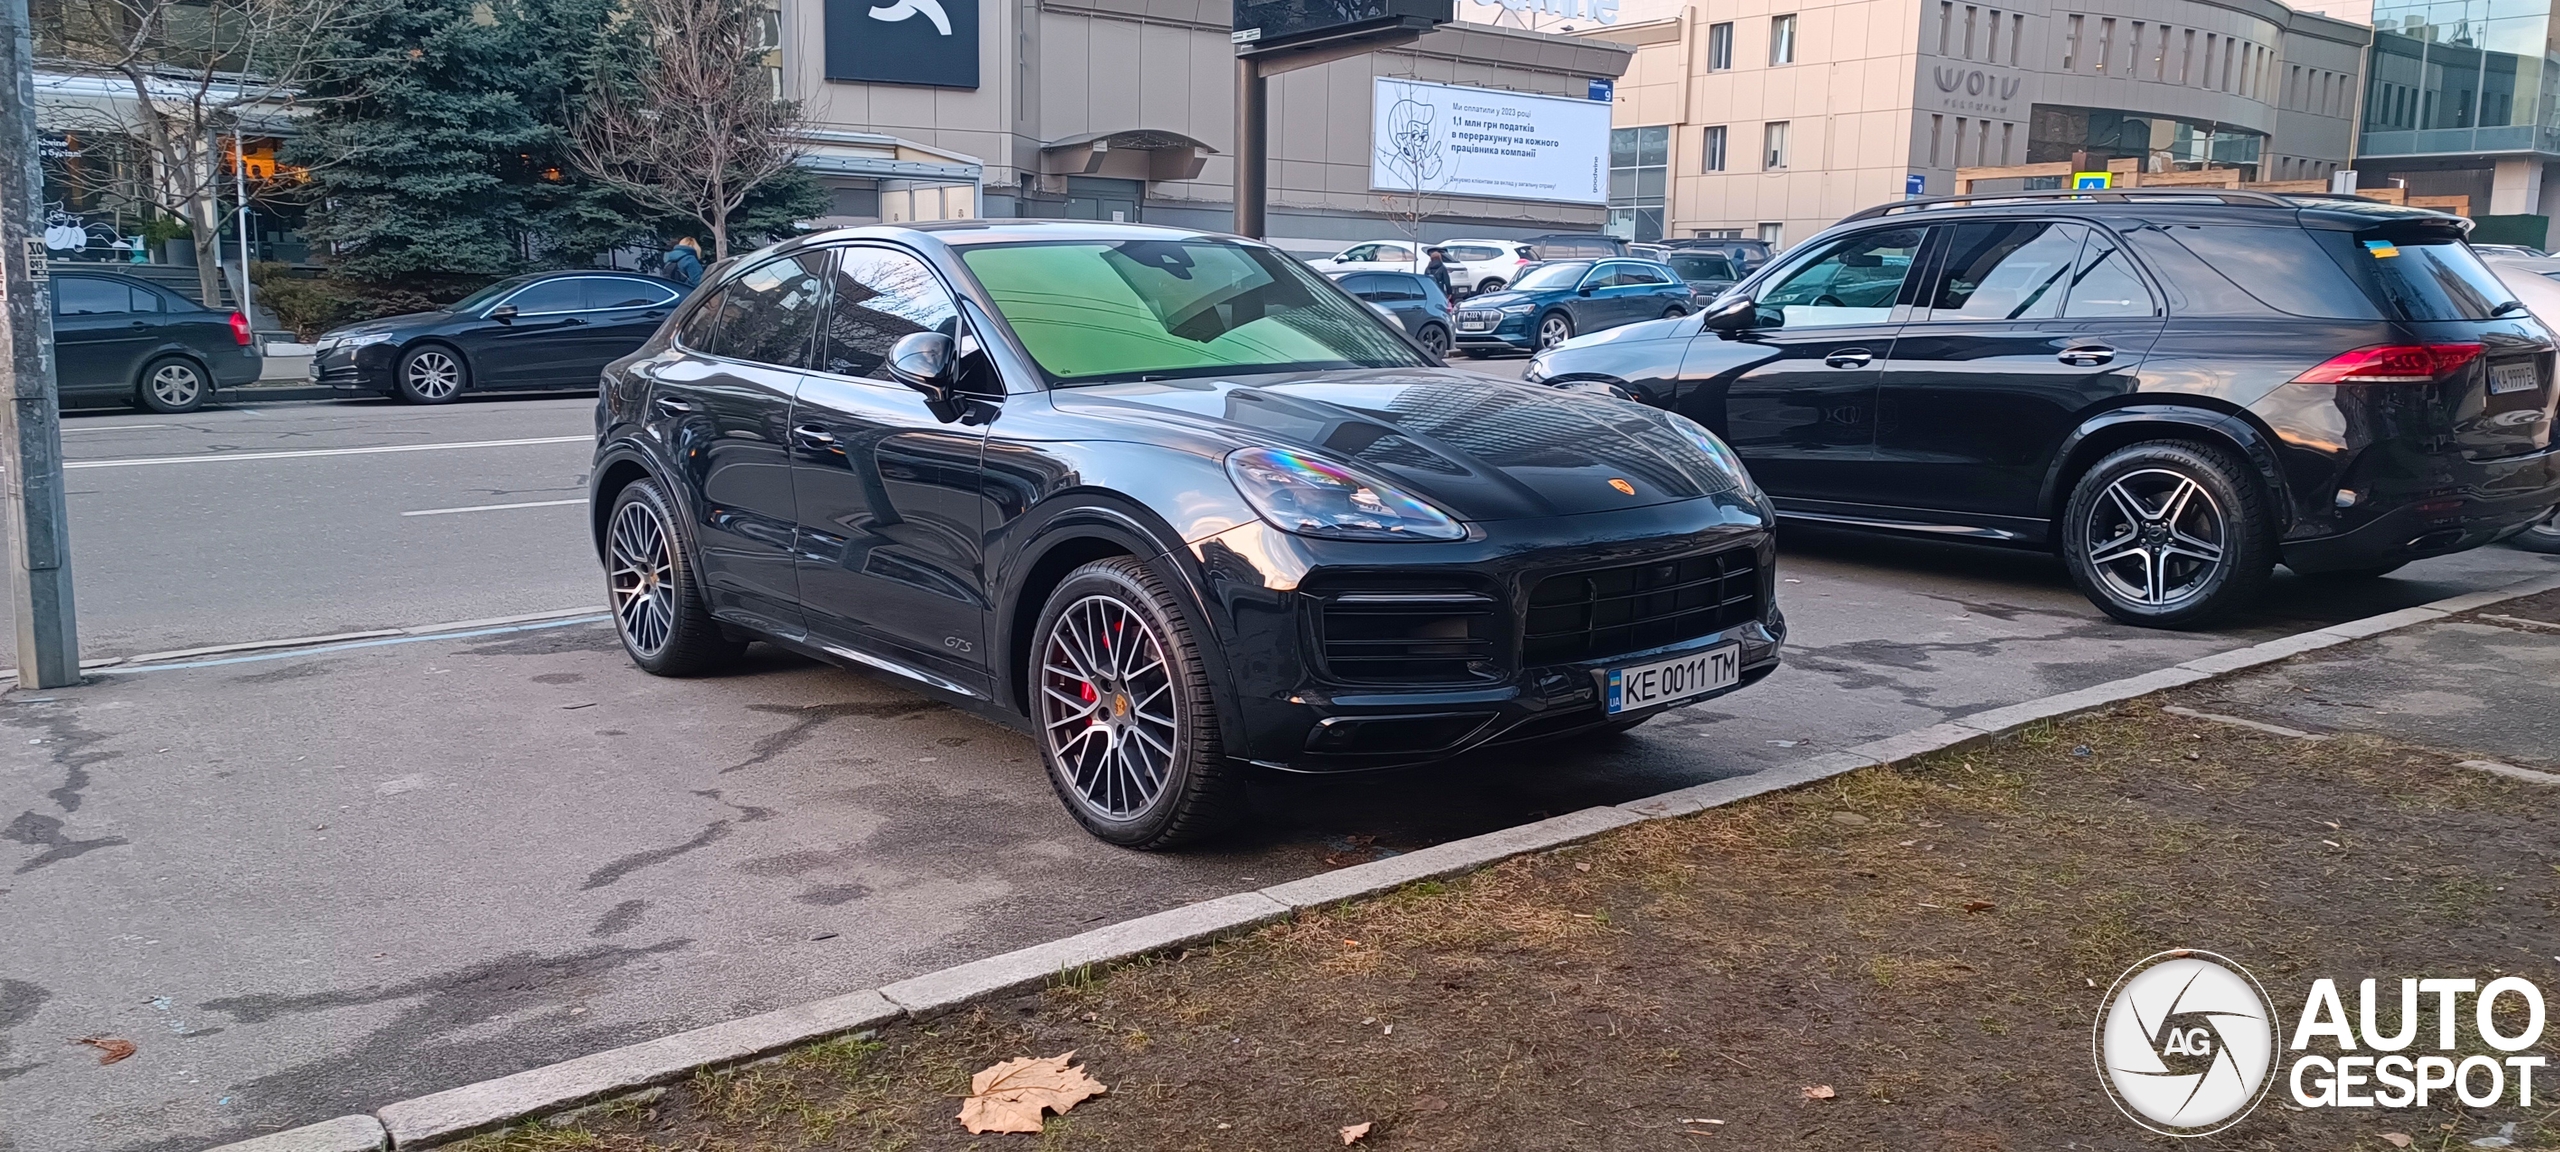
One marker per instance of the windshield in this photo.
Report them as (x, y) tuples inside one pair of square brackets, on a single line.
[(1091, 311), (487, 294), (1545, 276), (1701, 267)]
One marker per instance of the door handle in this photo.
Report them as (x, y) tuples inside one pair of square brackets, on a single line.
[(2087, 355), (814, 438), (139, 325), (670, 406), (654, 314), (1849, 358)]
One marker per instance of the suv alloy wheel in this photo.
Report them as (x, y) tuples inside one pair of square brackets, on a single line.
[(1127, 728), (2168, 533), (1555, 328)]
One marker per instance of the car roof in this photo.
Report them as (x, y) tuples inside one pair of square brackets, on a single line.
[(2167, 205)]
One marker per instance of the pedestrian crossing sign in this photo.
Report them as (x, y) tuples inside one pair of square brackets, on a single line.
[(2081, 180)]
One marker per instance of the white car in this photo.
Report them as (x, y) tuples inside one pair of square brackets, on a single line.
[(1474, 265)]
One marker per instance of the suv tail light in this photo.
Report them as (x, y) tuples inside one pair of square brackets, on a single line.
[(2392, 364), (239, 329)]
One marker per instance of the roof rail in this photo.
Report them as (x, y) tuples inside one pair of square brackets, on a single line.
[(2114, 195)]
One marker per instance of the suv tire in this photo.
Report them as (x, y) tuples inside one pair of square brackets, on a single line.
[(2542, 537), (658, 609), (1553, 328), (2168, 534), (1126, 725)]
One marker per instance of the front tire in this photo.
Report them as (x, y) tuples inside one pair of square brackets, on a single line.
[(1553, 329), (650, 584), (432, 374), (1127, 728), (172, 384), (2542, 537), (1489, 284), (2168, 534), (1674, 312)]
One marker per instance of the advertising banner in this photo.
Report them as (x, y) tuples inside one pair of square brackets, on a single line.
[(929, 42), (1441, 139)]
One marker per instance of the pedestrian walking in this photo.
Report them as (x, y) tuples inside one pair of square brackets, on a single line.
[(682, 263), (1438, 271)]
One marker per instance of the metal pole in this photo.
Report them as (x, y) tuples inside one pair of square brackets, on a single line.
[(31, 425), (240, 192), (1253, 146)]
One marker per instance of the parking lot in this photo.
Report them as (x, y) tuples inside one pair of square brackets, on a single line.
[(304, 883)]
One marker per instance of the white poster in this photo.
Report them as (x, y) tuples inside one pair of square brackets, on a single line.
[(1440, 139)]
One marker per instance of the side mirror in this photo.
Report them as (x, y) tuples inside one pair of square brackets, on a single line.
[(503, 313), (924, 361), (1734, 315), (1586, 290)]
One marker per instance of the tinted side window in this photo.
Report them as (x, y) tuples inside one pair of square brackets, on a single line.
[(880, 296), (2284, 268), (769, 313), (2194, 288), (1855, 282), (615, 292), (2012, 270), (1471, 252), (82, 296), (1364, 284), (2105, 284), (147, 300), (567, 294), (700, 328)]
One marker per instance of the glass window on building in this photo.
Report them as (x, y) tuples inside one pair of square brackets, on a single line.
[(1782, 39), (2058, 133), (1773, 145), (2459, 76), (1639, 175), (1774, 235), (1712, 150), (1719, 47)]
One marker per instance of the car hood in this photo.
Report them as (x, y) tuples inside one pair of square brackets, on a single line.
[(1483, 449), (1666, 328), (1498, 299)]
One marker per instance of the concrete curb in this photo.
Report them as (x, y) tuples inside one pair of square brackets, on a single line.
[(491, 1104)]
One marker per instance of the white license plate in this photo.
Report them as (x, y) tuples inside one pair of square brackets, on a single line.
[(1649, 684), (2522, 376)]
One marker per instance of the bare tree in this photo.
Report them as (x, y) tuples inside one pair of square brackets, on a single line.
[(1416, 159), (694, 125), (195, 71)]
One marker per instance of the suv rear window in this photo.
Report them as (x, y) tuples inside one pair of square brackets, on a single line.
[(2421, 278)]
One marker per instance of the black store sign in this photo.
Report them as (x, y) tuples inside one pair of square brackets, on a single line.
[(931, 42)]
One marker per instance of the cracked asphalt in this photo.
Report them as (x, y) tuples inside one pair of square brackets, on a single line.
[(309, 884)]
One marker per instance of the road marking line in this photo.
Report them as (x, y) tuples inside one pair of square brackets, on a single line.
[(115, 427), (138, 461), (494, 507)]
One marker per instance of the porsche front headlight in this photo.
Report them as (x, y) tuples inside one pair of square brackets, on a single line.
[(1309, 495)]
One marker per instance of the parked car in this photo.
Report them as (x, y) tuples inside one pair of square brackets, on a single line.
[(1169, 500), (1748, 256), (1411, 298), (122, 340), (1707, 274), (1374, 256), (544, 330), (2175, 390), (1575, 246), (1552, 302), (2535, 279), (1474, 265)]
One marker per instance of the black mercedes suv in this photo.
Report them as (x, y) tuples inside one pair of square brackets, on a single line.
[(1173, 501), (2175, 389)]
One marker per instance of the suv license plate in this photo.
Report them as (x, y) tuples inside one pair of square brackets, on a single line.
[(2519, 376), (1648, 684)]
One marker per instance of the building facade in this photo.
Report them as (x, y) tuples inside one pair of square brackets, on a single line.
[(1774, 118), (2463, 99), (1124, 109)]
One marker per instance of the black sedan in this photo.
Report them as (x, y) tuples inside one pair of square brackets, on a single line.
[(546, 330), (1172, 501), (120, 340)]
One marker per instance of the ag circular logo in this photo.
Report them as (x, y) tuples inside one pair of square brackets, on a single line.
[(2186, 1043)]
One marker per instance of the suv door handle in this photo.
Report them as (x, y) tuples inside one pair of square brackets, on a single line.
[(670, 406), (1849, 358), (814, 437), (2087, 355)]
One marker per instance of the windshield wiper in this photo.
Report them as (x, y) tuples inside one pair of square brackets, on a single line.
[(2503, 309)]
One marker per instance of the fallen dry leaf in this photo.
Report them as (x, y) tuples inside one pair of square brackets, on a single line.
[(1979, 905), (1819, 1092), (1009, 1097), (109, 1048), (2395, 1139), (1351, 1133)]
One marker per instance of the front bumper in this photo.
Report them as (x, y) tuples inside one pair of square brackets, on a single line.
[(366, 368), (1276, 596), (2455, 506), (1516, 332)]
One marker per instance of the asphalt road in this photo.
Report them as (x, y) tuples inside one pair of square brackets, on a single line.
[(309, 883)]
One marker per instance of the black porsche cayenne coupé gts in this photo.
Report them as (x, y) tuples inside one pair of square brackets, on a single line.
[(1170, 500)]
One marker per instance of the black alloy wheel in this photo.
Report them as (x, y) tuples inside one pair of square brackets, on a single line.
[(2543, 536), (432, 374), (173, 384), (1435, 340), (1127, 729), (1553, 329), (2168, 534), (658, 609)]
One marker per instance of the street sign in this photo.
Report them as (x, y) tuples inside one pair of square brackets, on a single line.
[(1914, 186), (2093, 180), (1604, 91)]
